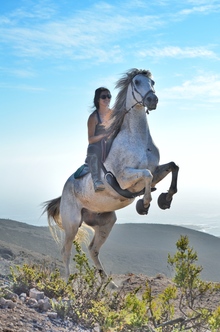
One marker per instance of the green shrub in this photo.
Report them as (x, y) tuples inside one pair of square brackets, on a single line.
[(193, 291), (39, 276), (87, 299)]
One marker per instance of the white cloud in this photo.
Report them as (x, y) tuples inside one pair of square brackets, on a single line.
[(82, 35), (203, 7), (211, 5), (23, 73), (193, 10), (178, 52), (73, 39), (202, 88), (41, 9), (22, 87), (95, 33)]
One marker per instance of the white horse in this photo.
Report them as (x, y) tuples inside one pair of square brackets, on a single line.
[(133, 159)]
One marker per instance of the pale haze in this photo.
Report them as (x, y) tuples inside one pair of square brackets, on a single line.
[(54, 54)]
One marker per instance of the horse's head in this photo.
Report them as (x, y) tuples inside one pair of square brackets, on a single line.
[(142, 90), (136, 87)]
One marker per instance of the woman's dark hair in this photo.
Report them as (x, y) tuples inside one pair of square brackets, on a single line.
[(97, 96)]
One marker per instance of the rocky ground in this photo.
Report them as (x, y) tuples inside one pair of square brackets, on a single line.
[(17, 315), (21, 243), (20, 316)]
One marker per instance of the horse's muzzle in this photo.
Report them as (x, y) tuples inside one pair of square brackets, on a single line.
[(151, 101)]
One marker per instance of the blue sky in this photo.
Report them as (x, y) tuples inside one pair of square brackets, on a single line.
[(54, 54)]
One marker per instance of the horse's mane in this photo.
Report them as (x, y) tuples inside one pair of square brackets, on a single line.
[(119, 109)]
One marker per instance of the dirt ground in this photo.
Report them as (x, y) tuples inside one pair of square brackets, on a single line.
[(25, 319)]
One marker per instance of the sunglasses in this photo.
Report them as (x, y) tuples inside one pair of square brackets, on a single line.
[(106, 96)]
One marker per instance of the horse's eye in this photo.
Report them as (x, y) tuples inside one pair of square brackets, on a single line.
[(136, 82), (152, 82)]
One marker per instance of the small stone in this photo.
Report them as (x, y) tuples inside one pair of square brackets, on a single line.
[(96, 328), (35, 294), (47, 305), (10, 325), (11, 296), (22, 299), (52, 315), (10, 304), (32, 303), (40, 304), (44, 305), (24, 295), (2, 302)]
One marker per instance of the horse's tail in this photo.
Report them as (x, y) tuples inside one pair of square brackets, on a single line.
[(52, 208)]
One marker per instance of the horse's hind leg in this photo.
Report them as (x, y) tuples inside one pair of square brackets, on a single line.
[(102, 224), (70, 234), (71, 219)]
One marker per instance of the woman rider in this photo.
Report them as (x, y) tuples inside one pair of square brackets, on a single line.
[(97, 122)]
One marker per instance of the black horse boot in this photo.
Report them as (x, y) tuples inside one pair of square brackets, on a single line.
[(94, 168)]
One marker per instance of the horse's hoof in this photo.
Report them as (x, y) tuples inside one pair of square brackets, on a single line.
[(140, 207), (162, 201)]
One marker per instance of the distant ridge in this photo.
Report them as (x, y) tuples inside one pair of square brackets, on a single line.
[(133, 248)]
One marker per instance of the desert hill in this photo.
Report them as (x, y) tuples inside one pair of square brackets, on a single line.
[(130, 248)]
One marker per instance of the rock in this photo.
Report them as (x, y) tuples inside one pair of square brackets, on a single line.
[(44, 305), (22, 299), (41, 304), (52, 315), (10, 295), (96, 328), (32, 303), (10, 304), (24, 295), (11, 325), (6, 304), (47, 304), (2, 302), (36, 294)]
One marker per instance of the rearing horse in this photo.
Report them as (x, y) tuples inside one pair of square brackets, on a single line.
[(134, 161)]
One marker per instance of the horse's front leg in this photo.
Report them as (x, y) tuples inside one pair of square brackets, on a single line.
[(164, 200), (135, 180)]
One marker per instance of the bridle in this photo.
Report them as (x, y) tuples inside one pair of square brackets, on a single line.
[(134, 89)]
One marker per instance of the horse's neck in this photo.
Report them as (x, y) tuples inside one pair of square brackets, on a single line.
[(135, 122), (136, 116)]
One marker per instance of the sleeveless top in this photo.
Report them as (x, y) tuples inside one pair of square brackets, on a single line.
[(99, 122), (98, 116)]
